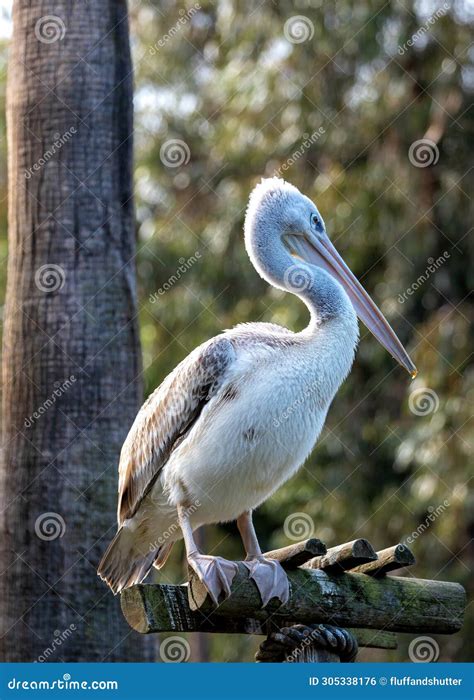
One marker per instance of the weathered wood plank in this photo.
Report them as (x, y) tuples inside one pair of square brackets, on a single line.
[(344, 556), (374, 639), (389, 559), (151, 608), (297, 554), (392, 603)]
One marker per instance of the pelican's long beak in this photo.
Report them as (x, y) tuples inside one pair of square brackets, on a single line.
[(320, 251)]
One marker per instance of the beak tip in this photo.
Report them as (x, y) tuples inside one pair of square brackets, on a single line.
[(413, 372)]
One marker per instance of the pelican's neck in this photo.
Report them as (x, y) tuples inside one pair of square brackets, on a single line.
[(332, 332), (327, 303), (324, 297)]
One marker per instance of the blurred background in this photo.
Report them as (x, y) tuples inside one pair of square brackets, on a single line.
[(367, 108)]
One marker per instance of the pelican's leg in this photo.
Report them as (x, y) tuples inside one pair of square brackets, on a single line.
[(215, 573), (269, 575)]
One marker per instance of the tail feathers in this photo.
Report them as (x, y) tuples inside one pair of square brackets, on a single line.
[(162, 555), (123, 565)]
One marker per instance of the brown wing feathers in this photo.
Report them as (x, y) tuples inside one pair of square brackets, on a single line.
[(166, 416)]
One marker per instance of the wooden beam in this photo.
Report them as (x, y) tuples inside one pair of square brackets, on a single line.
[(297, 554), (391, 603), (343, 557), (390, 559), (155, 608), (374, 639), (152, 608)]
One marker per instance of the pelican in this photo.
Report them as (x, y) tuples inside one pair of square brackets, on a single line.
[(240, 414)]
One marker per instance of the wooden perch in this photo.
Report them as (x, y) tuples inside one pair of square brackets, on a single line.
[(162, 608), (345, 586), (354, 600), (390, 603), (152, 608), (297, 554), (345, 556), (389, 559)]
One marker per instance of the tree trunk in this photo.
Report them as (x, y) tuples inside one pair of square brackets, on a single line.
[(71, 366)]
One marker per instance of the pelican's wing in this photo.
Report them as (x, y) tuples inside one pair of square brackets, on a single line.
[(166, 416)]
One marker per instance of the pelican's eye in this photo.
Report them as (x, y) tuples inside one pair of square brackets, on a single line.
[(315, 220)]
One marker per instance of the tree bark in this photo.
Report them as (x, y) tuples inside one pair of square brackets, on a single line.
[(71, 360)]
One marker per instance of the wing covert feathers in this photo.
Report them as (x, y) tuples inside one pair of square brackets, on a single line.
[(166, 416)]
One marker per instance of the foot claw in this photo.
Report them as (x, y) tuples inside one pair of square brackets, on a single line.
[(215, 573), (270, 579)]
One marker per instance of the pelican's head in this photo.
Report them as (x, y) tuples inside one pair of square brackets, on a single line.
[(284, 227)]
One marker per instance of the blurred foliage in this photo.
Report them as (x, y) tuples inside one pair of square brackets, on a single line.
[(222, 77)]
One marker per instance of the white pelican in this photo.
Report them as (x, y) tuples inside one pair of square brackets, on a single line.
[(243, 411)]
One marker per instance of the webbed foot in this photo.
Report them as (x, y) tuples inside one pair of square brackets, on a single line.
[(270, 578), (215, 573)]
